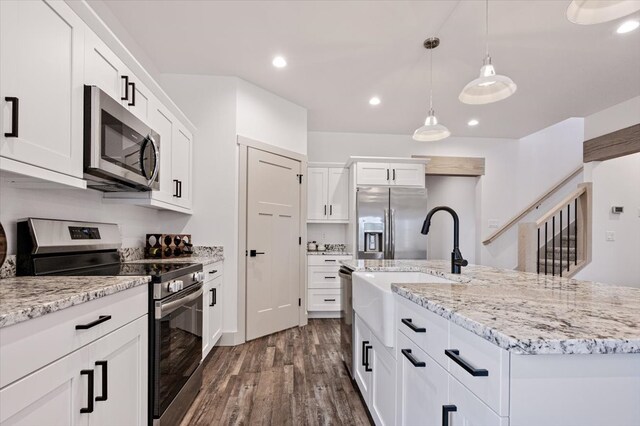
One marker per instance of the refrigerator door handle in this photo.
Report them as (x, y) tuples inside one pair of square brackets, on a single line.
[(392, 234), (386, 236)]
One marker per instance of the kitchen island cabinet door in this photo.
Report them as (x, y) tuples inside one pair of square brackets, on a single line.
[(383, 384), (41, 85), (469, 410)]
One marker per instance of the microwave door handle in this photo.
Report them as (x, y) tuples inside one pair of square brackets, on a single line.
[(156, 157)]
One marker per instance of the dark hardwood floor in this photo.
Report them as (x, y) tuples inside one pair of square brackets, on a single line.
[(294, 377)]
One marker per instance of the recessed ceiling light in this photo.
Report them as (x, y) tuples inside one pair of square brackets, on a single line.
[(279, 62), (628, 26), (374, 101), (473, 122)]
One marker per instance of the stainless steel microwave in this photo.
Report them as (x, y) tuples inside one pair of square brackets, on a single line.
[(121, 153)]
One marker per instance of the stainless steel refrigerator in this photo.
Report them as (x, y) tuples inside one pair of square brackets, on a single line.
[(389, 221)]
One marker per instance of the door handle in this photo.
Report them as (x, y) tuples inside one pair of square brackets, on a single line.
[(105, 378), (254, 253), (213, 297), (409, 323), (394, 174), (15, 109), (89, 407), (407, 353), (446, 409), (126, 88), (133, 94), (454, 354), (364, 350)]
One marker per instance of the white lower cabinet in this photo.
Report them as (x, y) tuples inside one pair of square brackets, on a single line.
[(324, 294), (103, 383), (465, 409), (361, 349), (212, 307)]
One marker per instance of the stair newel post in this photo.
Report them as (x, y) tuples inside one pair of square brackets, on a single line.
[(528, 249)]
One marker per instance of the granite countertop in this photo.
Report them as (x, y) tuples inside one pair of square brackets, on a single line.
[(25, 298), (524, 313), (205, 260), (328, 253)]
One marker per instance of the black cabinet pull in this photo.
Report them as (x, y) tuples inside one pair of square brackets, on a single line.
[(454, 354), (212, 303), (394, 174), (367, 367), (89, 407), (325, 209), (215, 271), (407, 353), (133, 94), (387, 174), (364, 351), (100, 320), (15, 109), (329, 260), (179, 189), (409, 323), (330, 209), (329, 278), (215, 296), (329, 300), (446, 409), (105, 378), (175, 187), (126, 88)]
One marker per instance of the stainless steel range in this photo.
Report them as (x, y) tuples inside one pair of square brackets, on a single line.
[(59, 247)]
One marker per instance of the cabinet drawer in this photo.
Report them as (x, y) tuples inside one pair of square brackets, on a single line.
[(213, 271), (428, 330), (324, 300), (32, 344), (474, 353), (324, 277), (322, 260), (469, 409)]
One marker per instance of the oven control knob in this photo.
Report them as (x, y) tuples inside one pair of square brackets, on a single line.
[(198, 276), (174, 286), (179, 284)]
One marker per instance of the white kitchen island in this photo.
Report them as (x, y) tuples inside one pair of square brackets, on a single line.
[(499, 347)]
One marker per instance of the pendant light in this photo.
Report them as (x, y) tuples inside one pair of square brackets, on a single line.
[(489, 87), (589, 12), (431, 131)]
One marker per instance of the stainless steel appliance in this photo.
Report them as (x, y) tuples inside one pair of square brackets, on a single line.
[(389, 222), (346, 320), (121, 153), (58, 247)]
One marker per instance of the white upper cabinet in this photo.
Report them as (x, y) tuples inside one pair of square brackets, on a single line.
[(41, 82), (181, 166), (390, 174), (103, 68), (328, 194)]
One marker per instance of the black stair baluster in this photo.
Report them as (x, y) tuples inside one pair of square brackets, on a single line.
[(568, 235), (546, 243), (538, 258), (561, 243), (553, 246), (575, 230)]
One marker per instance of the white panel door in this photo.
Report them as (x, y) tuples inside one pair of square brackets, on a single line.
[(53, 395), (373, 174), (407, 174), (120, 362), (383, 385), (42, 65), (470, 411), (338, 194), (317, 193), (103, 68), (422, 386), (181, 169), (273, 228), (362, 357)]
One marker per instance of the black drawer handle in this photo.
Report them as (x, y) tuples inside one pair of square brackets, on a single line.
[(330, 278), (15, 109), (409, 323), (215, 271), (412, 359), (454, 354), (89, 407), (100, 320), (329, 300), (133, 94), (105, 378), (446, 409), (387, 174), (329, 260)]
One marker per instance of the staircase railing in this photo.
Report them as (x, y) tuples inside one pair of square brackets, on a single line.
[(559, 242)]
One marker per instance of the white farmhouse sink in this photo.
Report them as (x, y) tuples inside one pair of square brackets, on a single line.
[(373, 299)]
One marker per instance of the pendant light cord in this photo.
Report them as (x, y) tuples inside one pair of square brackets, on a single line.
[(431, 80), (487, 27)]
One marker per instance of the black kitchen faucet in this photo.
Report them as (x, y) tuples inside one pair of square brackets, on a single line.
[(457, 261)]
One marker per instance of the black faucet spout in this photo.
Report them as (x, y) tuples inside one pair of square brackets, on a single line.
[(457, 261)]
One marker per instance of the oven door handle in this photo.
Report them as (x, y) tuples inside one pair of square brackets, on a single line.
[(166, 308)]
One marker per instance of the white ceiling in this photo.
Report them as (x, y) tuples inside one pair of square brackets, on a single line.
[(340, 53)]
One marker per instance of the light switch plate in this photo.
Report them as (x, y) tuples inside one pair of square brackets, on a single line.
[(611, 236)]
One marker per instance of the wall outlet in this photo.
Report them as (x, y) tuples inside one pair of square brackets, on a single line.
[(494, 223), (611, 236)]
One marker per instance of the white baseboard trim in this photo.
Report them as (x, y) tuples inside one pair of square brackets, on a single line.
[(324, 314)]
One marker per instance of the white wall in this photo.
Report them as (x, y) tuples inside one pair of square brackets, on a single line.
[(222, 108), (615, 182), (333, 233)]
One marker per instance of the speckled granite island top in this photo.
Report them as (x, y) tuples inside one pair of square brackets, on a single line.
[(525, 313), (25, 298)]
